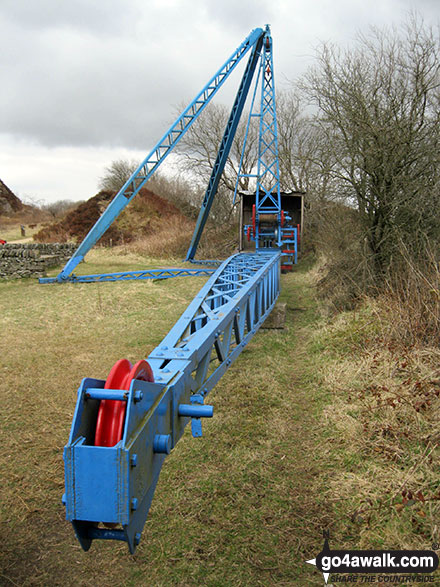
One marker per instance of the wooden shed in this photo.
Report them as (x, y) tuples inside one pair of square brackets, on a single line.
[(291, 202)]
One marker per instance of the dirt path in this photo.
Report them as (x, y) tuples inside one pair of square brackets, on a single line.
[(21, 241)]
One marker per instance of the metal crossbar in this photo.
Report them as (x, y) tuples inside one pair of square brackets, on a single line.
[(130, 275)]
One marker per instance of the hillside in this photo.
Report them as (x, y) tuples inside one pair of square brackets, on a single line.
[(141, 218), (9, 203)]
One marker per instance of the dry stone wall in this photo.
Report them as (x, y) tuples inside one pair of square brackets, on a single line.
[(32, 259)]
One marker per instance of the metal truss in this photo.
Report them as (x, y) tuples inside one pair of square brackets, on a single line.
[(115, 485), (159, 153), (213, 262), (268, 199), (130, 275), (225, 147)]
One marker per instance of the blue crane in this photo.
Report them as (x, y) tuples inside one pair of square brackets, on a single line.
[(124, 426)]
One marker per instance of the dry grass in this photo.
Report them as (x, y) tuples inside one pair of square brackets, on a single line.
[(383, 429), (411, 301), (11, 232), (171, 238), (174, 236)]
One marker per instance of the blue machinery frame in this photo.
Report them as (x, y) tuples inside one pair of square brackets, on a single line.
[(115, 485), (109, 489)]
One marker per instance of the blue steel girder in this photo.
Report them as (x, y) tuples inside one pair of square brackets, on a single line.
[(115, 485), (225, 147), (130, 275), (268, 199), (159, 153)]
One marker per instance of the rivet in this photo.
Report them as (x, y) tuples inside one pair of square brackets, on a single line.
[(134, 504)]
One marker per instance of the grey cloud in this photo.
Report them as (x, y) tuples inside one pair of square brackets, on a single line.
[(69, 87), (242, 15), (108, 73), (110, 16)]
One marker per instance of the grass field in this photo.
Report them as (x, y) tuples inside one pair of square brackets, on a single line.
[(12, 233), (244, 505)]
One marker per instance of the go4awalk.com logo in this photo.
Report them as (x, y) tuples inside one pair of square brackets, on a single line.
[(407, 566)]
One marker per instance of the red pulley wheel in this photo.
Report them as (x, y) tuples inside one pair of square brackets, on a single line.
[(248, 232), (111, 413)]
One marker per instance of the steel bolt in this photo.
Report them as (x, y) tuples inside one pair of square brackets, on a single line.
[(134, 504), (133, 460), (138, 396)]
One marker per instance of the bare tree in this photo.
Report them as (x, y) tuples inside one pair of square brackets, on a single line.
[(177, 189), (379, 118), (305, 160), (199, 147), (59, 208), (116, 174)]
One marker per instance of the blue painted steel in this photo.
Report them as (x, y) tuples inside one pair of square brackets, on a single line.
[(271, 228), (162, 443), (268, 198), (128, 275), (115, 485), (162, 149), (195, 411), (225, 147), (111, 394)]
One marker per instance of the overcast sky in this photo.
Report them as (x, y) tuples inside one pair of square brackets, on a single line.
[(85, 82)]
